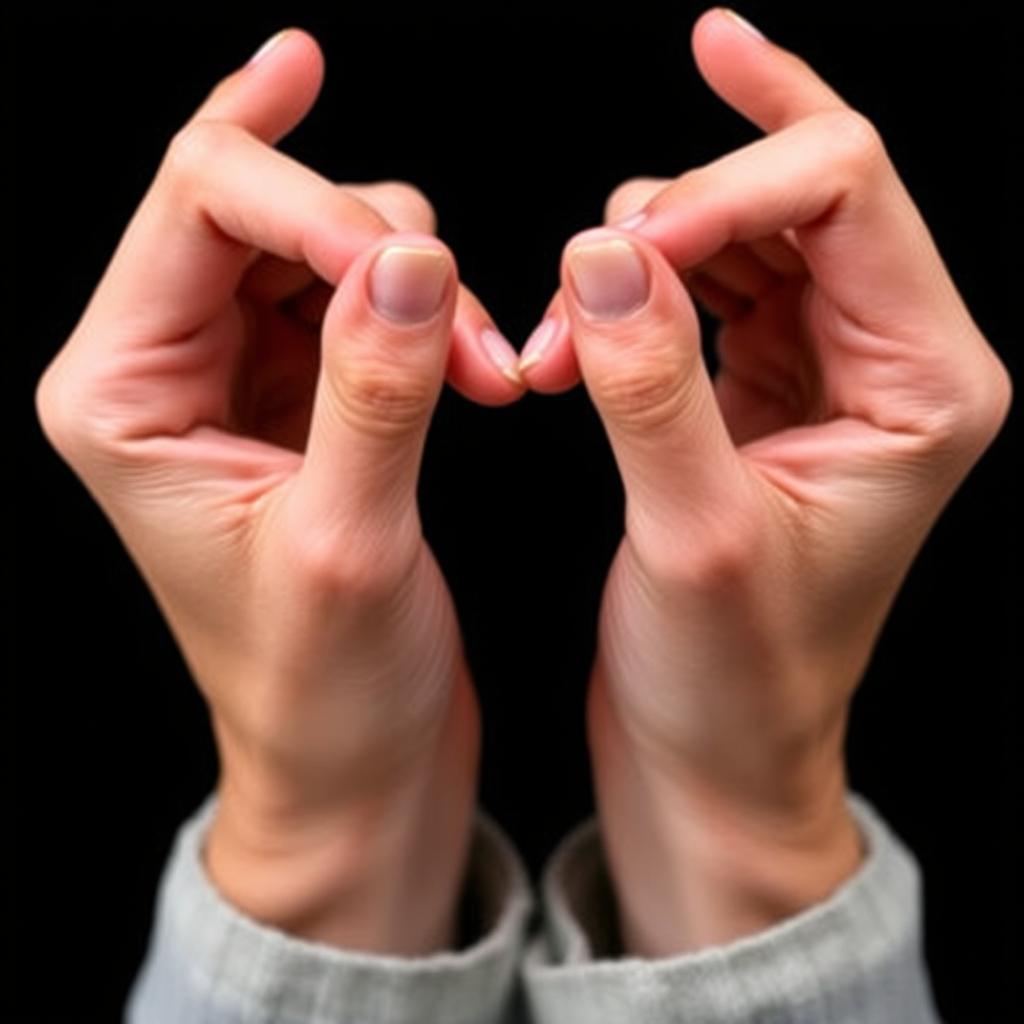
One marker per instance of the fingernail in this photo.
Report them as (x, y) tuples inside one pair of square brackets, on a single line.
[(268, 46), (631, 222), (537, 343), (407, 284), (741, 21), (500, 351), (610, 277)]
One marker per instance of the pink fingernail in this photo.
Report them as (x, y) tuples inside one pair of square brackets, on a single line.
[(610, 277), (407, 283), (500, 351), (268, 46), (742, 22), (631, 222), (538, 343)]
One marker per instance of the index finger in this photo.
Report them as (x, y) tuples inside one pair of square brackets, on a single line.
[(223, 193), (895, 342), (822, 175), (776, 87)]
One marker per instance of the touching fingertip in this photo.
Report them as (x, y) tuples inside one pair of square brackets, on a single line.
[(500, 351), (538, 343)]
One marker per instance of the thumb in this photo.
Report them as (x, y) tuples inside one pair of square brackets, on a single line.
[(384, 347), (637, 340)]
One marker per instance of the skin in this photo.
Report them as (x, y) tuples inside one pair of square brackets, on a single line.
[(772, 512), (253, 428)]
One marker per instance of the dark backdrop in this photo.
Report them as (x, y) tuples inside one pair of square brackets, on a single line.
[(517, 128)]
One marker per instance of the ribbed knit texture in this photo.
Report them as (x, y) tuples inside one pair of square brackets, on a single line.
[(853, 959)]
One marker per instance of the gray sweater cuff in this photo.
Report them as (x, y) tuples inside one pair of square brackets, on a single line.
[(855, 958), (208, 961)]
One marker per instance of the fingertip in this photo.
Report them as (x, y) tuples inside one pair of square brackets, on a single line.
[(607, 276), (625, 205), (404, 205), (720, 43), (711, 19), (402, 281), (293, 41), (726, 20), (548, 380), (709, 14), (473, 373), (411, 242), (411, 278), (483, 364), (547, 362), (274, 90), (414, 240), (588, 237)]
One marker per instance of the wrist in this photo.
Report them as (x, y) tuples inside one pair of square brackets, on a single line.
[(696, 862), (380, 870)]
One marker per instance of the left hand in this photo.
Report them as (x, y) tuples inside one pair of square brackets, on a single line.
[(247, 396), (771, 514)]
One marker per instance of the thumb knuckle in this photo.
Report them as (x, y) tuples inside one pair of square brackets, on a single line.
[(382, 398), (643, 395), (195, 149)]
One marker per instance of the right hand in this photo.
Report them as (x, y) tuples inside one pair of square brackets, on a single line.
[(261, 468), (773, 511)]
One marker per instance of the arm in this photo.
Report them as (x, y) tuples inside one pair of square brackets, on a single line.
[(852, 957), (247, 396), (771, 514), (209, 961)]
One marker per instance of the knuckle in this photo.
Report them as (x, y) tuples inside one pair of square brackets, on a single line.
[(50, 408), (857, 141), (711, 558), (195, 147), (718, 564), (987, 409), (329, 563), (341, 561), (87, 419), (383, 399), (970, 415), (643, 395), (65, 417), (1002, 400)]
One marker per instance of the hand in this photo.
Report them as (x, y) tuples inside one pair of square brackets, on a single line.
[(247, 397), (772, 513)]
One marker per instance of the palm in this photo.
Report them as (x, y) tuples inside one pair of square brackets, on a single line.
[(226, 482), (220, 436)]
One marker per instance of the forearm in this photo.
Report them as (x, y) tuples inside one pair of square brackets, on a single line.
[(696, 864), (209, 961), (379, 873)]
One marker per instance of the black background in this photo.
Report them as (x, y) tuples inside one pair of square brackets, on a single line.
[(517, 128)]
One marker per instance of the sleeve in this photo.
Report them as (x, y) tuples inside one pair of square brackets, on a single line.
[(208, 963), (855, 958)]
